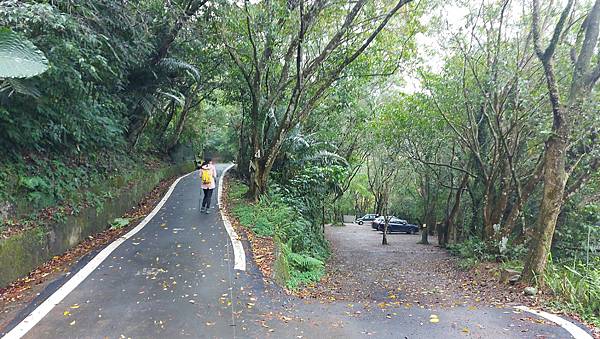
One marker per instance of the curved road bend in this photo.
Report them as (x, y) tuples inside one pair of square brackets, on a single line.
[(175, 279)]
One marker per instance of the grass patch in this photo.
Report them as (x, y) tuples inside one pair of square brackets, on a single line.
[(576, 288)]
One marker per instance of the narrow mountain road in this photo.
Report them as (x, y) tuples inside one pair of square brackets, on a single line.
[(175, 278)]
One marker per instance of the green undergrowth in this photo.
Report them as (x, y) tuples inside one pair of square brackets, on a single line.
[(574, 286), (55, 185), (473, 251), (302, 247)]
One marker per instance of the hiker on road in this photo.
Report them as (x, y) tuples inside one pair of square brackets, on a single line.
[(209, 176)]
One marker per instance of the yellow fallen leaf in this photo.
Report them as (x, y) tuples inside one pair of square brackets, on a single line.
[(66, 313), (434, 320), (75, 306)]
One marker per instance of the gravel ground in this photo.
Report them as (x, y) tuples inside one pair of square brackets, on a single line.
[(361, 268)]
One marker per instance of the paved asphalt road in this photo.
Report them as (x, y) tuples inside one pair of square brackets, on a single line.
[(175, 279)]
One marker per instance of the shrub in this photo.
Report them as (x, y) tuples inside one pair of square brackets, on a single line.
[(302, 243), (472, 247), (303, 269), (477, 250)]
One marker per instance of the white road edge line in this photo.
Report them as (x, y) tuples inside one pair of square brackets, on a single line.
[(45, 307), (238, 249), (575, 330)]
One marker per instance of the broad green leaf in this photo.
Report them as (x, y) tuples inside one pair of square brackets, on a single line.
[(19, 58)]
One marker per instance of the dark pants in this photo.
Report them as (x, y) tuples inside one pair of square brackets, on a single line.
[(207, 197)]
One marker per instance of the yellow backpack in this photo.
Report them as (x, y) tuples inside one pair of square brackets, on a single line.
[(206, 177)]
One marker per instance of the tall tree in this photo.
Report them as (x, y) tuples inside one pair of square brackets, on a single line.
[(289, 54), (585, 74)]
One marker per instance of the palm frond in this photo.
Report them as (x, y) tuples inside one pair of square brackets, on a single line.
[(19, 86), (176, 65), (326, 157), (175, 95), (148, 102), (19, 58)]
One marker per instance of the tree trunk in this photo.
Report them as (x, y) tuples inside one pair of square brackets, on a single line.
[(488, 222), (378, 204), (555, 178), (555, 174), (323, 216), (178, 129), (515, 212), (258, 179), (442, 234), (424, 234), (167, 120), (386, 221), (450, 227), (385, 230)]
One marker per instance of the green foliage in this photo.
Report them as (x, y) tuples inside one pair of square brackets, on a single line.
[(576, 288), (119, 223), (309, 188), (301, 242), (304, 269), (40, 190), (571, 237), (19, 58), (473, 250), (470, 251), (81, 105)]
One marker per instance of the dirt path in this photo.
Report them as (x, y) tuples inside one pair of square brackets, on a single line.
[(362, 269)]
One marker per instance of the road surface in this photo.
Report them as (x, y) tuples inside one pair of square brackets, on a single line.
[(175, 279)]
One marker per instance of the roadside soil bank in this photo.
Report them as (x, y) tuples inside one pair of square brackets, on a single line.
[(21, 292)]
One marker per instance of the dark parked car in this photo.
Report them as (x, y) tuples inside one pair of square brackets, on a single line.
[(366, 217), (379, 221), (399, 225)]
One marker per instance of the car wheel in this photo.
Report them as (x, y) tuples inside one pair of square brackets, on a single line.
[(360, 222)]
